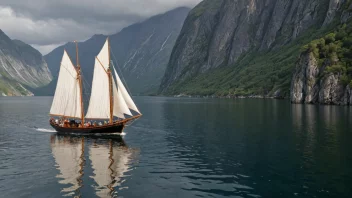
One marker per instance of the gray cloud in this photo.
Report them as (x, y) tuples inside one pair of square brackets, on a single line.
[(46, 24)]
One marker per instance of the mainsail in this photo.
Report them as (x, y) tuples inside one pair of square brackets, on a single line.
[(67, 99), (105, 92), (99, 103)]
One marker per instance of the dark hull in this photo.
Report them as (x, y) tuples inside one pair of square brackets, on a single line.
[(116, 128)]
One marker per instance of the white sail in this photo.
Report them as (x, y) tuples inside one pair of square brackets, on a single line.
[(67, 155), (67, 99), (120, 106), (125, 94), (104, 55), (99, 104)]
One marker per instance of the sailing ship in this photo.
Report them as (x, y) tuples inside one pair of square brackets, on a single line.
[(109, 98)]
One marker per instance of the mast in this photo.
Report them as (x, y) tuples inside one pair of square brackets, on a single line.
[(110, 87), (80, 83)]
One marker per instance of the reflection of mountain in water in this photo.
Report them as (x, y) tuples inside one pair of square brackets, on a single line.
[(108, 158)]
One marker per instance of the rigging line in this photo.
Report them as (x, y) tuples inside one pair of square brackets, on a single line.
[(86, 89), (86, 85), (84, 82), (63, 66), (120, 71)]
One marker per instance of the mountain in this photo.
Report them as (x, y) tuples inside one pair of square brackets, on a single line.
[(247, 47), (142, 51), (21, 67)]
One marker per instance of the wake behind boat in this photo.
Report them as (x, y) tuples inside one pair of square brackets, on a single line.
[(109, 103)]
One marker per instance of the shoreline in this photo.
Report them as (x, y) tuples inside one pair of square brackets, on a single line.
[(214, 97), (230, 97), (256, 97)]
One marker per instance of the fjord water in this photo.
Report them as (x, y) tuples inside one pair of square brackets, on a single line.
[(181, 147)]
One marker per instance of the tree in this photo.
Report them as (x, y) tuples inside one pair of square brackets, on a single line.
[(330, 38)]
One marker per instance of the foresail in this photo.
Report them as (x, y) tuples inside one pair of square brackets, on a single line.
[(67, 98), (99, 104), (120, 106), (131, 105)]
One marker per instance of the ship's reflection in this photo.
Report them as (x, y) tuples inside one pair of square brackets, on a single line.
[(109, 159)]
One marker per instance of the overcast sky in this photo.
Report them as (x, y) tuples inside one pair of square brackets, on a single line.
[(46, 24)]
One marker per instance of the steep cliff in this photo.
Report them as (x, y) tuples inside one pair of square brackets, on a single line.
[(324, 71), (20, 66), (305, 80), (245, 47), (141, 50)]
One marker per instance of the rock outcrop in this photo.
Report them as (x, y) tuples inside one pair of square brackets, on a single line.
[(304, 86), (20, 66), (313, 84), (331, 90), (347, 99)]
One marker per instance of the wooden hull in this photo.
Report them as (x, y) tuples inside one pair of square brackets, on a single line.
[(116, 127), (103, 129)]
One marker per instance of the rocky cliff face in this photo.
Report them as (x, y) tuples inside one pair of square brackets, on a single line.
[(20, 66), (310, 84), (313, 84), (220, 33), (141, 50)]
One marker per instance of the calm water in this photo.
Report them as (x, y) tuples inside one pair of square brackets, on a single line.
[(181, 148)]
